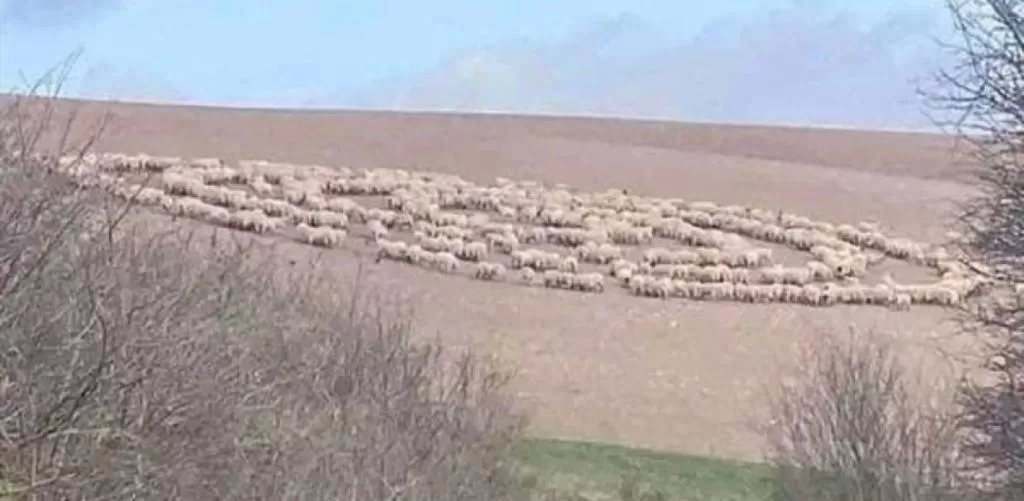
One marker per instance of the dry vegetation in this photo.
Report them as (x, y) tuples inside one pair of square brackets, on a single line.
[(851, 424), (526, 233), (140, 363)]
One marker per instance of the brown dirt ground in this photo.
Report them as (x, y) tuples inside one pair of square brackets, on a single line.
[(672, 375)]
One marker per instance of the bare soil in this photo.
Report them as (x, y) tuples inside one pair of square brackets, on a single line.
[(674, 375)]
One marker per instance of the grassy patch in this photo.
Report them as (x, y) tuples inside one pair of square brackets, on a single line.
[(580, 470)]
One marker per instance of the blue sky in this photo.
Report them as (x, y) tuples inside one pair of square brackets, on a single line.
[(821, 62)]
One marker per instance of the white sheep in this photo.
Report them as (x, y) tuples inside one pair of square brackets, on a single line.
[(589, 282), (207, 163), (445, 261), (185, 206), (569, 264), (622, 268), (391, 249), (535, 258), (252, 220), (321, 237), (489, 271), (278, 208), (502, 242), (902, 301), (327, 218), (528, 275), (261, 187), (472, 251), (376, 230), (417, 255), (597, 253), (178, 184)]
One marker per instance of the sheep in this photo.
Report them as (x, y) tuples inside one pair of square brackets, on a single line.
[(827, 293), (393, 250), (719, 291), (489, 271), (708, 255), (321, 237), (569, 264), (278, 208), (416, 255), (314, 202), (218, 216), (252, 220), (630, 235), (743, 293), (472, 251), (771, 293), (228, 197), (658, 287), (880, 294), (375, 230), (140, 194), (387, 217), (449, 219), (221, 175), (941, 294), (455, 232), (790, 293), (444, 261), (572, 237), (593, 252), (536, 259), (660, 255), (261, 187), (479, 221), (819, 271), (855, 294), (488, 228), (772, 274), (504, 243), (438, 244), (528, 275), (622, 268), (589, 282), (185, 206), (177, 184), (532, 235), (553, 279), (951, 269), (662, 270), (597, 226), (207, 163), (796, 276), (902, 301), (642, 285), (327, 218), (344, 205)]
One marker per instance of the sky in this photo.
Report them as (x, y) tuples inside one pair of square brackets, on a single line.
[(798, 62)]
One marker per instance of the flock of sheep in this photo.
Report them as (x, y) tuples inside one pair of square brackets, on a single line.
[(529, 233)]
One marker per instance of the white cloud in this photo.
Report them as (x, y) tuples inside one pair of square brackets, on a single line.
[(790, 65)]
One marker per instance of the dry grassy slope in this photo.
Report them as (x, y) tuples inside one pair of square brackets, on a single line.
[(673, 375)]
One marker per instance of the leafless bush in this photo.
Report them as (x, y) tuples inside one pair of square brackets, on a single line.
[(139, 363), (982, 93), (851, 428)]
